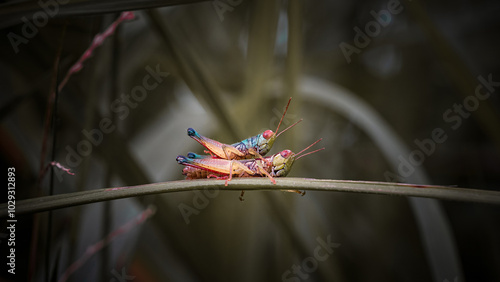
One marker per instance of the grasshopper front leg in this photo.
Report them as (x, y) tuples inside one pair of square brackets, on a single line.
[(261, 170), (253, 152)]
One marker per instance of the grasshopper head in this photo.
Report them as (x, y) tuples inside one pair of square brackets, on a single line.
[(266, 141), (267, 138), (282, 163)]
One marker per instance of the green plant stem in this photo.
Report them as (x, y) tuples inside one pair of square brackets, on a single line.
[(99, 195)]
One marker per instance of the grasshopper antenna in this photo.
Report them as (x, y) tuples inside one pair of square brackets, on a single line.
[(309, 153), (309, 146), (289, 127), (286, 109)]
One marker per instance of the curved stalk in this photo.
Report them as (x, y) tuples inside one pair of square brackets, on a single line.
[(99, 195)]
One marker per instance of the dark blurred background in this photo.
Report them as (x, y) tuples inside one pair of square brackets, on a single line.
[(400, 91)]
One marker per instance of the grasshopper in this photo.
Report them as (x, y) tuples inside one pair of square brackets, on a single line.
[(277, 165), (253, 147)]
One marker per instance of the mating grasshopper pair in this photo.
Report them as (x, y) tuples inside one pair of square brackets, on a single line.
[(243, 159)]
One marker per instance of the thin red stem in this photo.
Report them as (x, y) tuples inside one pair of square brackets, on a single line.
[(98, 41)]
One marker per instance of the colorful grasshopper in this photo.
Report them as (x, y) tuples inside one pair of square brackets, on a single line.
[(253, 147), (277, 165)]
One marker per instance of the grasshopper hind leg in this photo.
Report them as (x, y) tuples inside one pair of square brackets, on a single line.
[(302, 193)]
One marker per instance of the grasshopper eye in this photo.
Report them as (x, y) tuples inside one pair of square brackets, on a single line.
[(285, 153), (268, 134)]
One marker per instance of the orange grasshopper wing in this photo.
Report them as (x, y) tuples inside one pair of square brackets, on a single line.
[(219, 166), (217, 148)]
